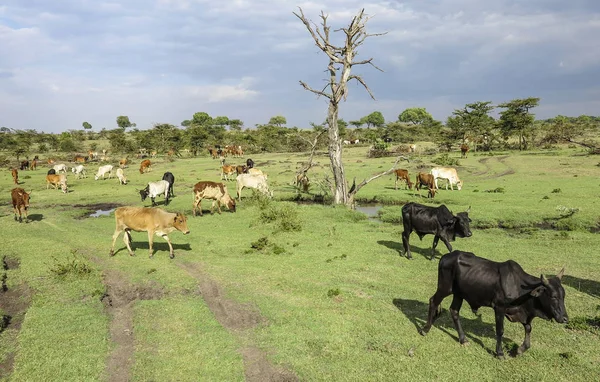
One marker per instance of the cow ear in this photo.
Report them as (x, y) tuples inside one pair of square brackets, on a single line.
[(561, 273), (537, 292)]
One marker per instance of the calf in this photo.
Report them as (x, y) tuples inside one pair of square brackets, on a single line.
[(153, 189), (252, 181), (20, 200), (448, 173), (33, 164), (402, 174), (15, 175), (79, 171), (215, 191), (121, 176), (226, 171), (169, 177), (145, 166), (464, 150), (123, 162), (60, 167), (506, 287), (103, 170), (426, 180), (437, 221), (151, 220), (24, 165), (57, 180)]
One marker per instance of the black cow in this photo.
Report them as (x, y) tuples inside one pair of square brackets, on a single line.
[(437, 221), (169, 177), (25, 165), (51, 171), (249, 164), (503, 286)]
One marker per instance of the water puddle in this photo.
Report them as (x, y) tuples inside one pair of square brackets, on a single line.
[(99, 213), (372, 211)]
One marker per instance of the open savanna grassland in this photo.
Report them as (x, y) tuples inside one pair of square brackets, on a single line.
[(294, 291)]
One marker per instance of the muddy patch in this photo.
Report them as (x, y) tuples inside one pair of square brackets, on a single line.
[(237, 317), (96, 210), (14, 303), (118, 300)]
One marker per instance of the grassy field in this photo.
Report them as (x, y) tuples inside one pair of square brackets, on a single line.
[(288, 290)]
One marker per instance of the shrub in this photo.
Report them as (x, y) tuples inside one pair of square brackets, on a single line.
[(445, 160), (333, 292), (76, 267), (556, 191), (284, 215), (496, 190)]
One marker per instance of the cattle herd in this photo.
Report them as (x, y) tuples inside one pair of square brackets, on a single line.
[(505, 287)]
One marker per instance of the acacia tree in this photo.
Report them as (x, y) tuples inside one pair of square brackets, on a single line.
[(516, 119), (341, 60)]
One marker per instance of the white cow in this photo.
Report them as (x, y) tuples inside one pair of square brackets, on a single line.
[(79, 171), (121, 176), (448, 173), (154, 189), (255, 171), (60, 167), (252, 181), (103, 170)]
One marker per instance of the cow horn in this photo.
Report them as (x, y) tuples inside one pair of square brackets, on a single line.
[(561, 273), (468, 209), (545, 281)]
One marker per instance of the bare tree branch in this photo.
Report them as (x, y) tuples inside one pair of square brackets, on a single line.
[(319, 41), (318, 92), (366, 181), (363, 83)]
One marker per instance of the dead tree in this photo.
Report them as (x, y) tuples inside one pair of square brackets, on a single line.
[(341, 60)]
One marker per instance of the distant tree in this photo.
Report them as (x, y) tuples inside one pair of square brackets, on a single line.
[(357, 123), (415, 115), (221, 121), (374, 119), (474, 122), (516, 119), (278, 120), (123, 122), (86, 125), (201, 118), (236, 124), (186, 123), (572, 130)]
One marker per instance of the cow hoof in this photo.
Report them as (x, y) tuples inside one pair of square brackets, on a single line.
[(112, 253), (500, 357), (423, 332), (171, 255), (465, 343)]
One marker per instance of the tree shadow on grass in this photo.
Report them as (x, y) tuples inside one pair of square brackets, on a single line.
[(416, 312), (591, 287), (397, 246)]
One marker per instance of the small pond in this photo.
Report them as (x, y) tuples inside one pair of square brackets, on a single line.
[(99, 213), (370, 210)]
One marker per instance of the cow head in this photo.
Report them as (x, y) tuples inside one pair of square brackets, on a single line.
[(25, 198), (64, 187), (551, 296), (145, 192), (459, 185), (180, 223), (461, 224)]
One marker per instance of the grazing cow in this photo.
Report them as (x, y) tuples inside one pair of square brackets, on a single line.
[(402, 174), (464, 150), (79, 171), (145, 166), (60, 167), (169, 177), (24, 165), (33, 164), (15, 175), (20, 200), (256, 171), (505, 286), (151, 220), (427, 181), (215, 191), (51, 171), (226, 171), (57, 180), (437, 221), (153, 189), (79, 159), (354, 141), (448, 173), (213, 153), (241, 169), (346, 142), (252, 181), (123, 162), (103, 170), (121, 176), (249, 163)]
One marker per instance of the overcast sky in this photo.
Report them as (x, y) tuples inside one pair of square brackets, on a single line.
[(159, 61)]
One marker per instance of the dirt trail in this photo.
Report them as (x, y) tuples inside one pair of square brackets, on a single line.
[(14, 303), (488, 169), (237, 317)]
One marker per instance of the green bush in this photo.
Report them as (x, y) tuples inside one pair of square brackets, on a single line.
[(333, 292), (284, 215), (76, 267), (445, 160)]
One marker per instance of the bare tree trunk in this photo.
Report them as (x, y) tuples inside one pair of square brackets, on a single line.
[(340, 193)]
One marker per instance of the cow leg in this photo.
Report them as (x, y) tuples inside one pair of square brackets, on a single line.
[(115, 236), (396, 184), (127, 241), (499, 313), (445, 240), (197, 202), (435, 308), (435, 243), (153, 202), (150, 242), (167, 199), (454, 312), (406, 244), (526, 344), (171, 252), (218, 206), (26, 217)]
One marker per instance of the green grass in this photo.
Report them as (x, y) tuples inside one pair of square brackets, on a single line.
[(340, 303)]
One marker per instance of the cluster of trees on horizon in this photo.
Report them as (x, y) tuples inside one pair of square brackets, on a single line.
[(515, 128)]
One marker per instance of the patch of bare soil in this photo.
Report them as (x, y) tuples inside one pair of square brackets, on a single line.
[(14, 303), (237, 317), (119, 300), (488, 168)]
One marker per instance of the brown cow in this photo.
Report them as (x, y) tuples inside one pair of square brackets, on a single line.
[(215, 191), (33, 165), (123, 162), (145, 166), (79, 159), (427, 180), (213, 153), (151, 220), (15, 175), (402, 174), (20, 199), (226, 171), (57, 180), (464, 149), (241, 169)]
